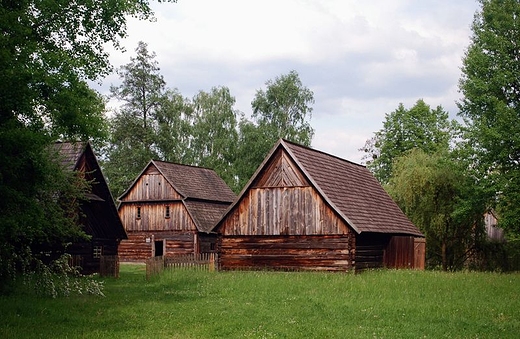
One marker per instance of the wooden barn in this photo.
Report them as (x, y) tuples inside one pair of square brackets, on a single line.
[(307, 210), (98, 214), (170, 209)]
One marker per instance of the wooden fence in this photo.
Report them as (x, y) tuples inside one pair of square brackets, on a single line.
[(109, 266), (197, 261)]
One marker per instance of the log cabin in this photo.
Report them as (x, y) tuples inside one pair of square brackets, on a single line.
[(170, 210), (307, 210), (98, 214)]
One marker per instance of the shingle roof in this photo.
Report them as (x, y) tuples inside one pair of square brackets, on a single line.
[(99, 211), (69, 153), (353, 191), (205, 214), (350, 189), (195, 182)]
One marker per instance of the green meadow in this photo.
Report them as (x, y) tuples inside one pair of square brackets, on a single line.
[(201, 304)]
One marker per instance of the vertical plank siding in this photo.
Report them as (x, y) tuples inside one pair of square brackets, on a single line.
[(153, 217), (283, 211), (152, 187)]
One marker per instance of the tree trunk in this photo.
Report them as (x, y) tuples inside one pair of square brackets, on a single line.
[(444, 259)]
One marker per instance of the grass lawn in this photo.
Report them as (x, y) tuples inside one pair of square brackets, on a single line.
[(197, 304)]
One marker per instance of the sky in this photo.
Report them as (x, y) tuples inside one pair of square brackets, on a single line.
[(360, 58)]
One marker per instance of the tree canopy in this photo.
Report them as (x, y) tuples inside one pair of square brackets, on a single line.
[(404, 129), (48, 51), (282, 110), (437, 196), (491, 105)]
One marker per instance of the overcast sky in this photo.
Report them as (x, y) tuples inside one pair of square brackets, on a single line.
[(360, 58)]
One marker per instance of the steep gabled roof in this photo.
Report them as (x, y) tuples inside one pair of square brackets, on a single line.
[(350, 189), (100, 212), (195, 182), (69, 153), (205, 195)]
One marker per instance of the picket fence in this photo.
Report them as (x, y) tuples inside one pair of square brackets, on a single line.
[(196, 261)]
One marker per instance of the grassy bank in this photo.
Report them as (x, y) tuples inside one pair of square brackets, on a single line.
[(190, 304)]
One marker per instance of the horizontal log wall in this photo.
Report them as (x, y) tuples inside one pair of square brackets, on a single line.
[(283, 211), (330, 253), (153, 217), (138, 248)]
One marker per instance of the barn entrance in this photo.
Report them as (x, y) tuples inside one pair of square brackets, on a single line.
[(159, 248)]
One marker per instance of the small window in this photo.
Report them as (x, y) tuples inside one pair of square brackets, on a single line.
[(167, 212), (138, 213), (98, 251)]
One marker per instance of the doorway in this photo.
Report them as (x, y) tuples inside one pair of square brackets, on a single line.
[(159, 248)]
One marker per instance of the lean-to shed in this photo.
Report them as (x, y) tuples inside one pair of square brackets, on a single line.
[(305, 209), (98, 213), (170, 209)]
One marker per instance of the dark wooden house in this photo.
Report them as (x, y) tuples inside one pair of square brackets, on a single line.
[(170, 209), (307, 210), (98, 214)]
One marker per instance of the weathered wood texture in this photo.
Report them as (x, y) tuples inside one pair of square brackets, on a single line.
[(419, 253), (370, 250), (153, 217), (109, 266), (399, 252), (152, 186), (283, 211), (83, 253), (281, 172), (331, 253), (142, 245), (375, 250)]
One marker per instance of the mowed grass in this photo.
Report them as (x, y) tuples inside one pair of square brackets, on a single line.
[(196, 304)]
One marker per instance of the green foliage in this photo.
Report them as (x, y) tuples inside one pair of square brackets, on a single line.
[(59, 279), (39, 201), (155, 122), (214, 133), (434, 193), (133, 127), (48, 50), (195, 304), (283, 110), (491, 105), (159, 123), (404, 129)]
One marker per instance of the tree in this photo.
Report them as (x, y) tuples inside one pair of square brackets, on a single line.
[(133, 128), (439, 199), (215, 135), (491, 105), (283, 110), (404, 129), (48, 51), (174, 127)]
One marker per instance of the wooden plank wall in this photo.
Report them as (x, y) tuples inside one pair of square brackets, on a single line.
[(152, 186), (283, 211), (400, 252), (331, 253), (136, 247), (153, 217)]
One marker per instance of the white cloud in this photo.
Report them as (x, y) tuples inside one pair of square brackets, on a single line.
[(361, 58)]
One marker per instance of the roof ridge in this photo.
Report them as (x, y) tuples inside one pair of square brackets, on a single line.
[(322, 152), (179, 164)]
